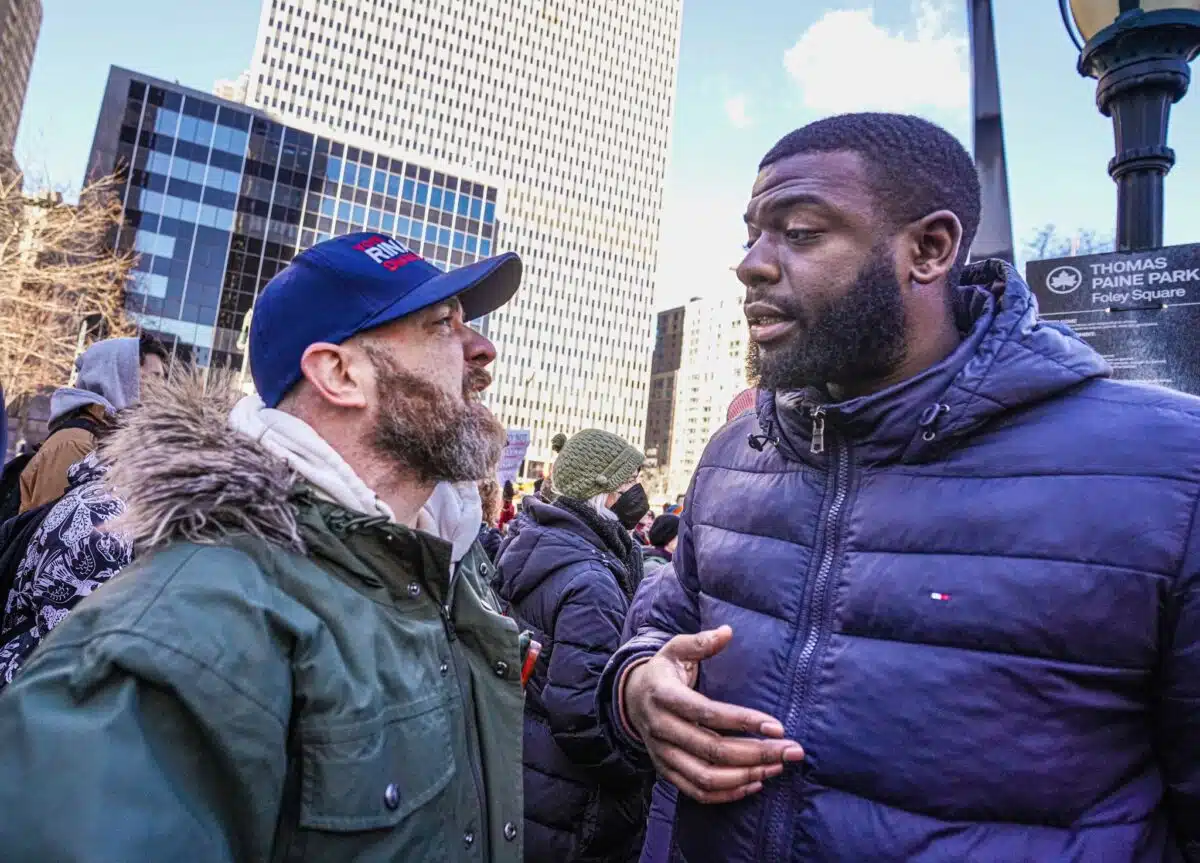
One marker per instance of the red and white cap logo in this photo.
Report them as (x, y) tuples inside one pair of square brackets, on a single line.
[(391, 254)]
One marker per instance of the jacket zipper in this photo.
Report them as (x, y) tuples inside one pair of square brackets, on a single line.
[(818, 432), (448, 605), (818, 617)]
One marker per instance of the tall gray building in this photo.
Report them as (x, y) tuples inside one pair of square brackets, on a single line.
[(20, 21), (566, 106)]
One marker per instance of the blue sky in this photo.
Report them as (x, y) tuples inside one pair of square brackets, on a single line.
[(749, 72)]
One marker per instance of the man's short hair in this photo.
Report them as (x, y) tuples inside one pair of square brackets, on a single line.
[(149, 346), (914, 167)]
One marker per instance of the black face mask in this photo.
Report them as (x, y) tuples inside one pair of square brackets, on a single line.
[(631, 506)]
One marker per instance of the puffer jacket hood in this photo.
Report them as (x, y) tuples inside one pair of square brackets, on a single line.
[(1007, 359), (548, 534)]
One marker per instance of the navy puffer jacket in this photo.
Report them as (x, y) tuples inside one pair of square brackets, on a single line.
[(583, 802), (978, 609)]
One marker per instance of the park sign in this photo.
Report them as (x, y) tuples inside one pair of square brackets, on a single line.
[(1139, 310)]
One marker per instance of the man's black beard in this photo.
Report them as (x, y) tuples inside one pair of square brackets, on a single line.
[(430, 433), (859, 337)]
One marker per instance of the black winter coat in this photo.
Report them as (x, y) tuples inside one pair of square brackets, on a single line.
[(561, 580)]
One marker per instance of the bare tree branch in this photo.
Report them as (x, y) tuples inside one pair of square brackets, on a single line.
[(59, 280), (1046, 242)]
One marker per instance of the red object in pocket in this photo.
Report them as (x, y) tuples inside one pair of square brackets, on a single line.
[(531, 655)]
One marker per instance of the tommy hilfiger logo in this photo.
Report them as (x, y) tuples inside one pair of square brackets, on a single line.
[(392, 254)]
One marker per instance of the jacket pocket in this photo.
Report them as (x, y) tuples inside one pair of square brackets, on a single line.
[(379, 774)]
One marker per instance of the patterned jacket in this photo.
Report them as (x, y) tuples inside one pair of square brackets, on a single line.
[(67, 559)]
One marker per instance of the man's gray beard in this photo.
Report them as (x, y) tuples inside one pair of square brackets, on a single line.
[(430, 433)]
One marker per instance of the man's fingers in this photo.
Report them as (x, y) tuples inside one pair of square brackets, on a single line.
[(702, 645), (703, 795), (719, 749), (716, 715), (711, 777)]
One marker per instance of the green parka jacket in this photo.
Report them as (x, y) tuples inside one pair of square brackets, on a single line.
[(275, 679)]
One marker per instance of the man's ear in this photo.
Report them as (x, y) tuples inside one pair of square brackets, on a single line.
[(337, 374), (934, 243)]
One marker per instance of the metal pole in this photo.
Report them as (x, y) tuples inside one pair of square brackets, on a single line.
[(1141, 66), (1138, 96), (994, 238)]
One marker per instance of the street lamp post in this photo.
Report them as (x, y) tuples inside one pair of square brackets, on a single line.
[(1139, 51)]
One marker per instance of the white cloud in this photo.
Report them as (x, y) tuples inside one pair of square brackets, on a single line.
[(847, 62), (735, 110)]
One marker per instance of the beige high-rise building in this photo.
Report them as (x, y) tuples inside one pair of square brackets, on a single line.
[(567, 107), (712, 372), (20, 21)]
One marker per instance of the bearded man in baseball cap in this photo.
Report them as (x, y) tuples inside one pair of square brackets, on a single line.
[(306, 662)]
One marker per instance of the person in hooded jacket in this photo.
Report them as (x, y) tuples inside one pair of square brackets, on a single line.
[(109, 379), (567, 572), (938, 599)]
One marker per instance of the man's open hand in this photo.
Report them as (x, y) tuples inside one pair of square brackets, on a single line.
[(687, 734)]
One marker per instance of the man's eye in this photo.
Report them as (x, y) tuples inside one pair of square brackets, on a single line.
[(446, 321), (799, 235), (749, 244)]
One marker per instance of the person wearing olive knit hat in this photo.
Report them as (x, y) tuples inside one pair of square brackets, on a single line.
[(596, 462), (567, 572)]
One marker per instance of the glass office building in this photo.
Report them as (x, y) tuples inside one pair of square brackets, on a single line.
[(219, 197)]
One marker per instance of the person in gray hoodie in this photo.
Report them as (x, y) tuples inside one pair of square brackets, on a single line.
[(109, 379)]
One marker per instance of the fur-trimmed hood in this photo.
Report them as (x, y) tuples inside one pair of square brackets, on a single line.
[(188, 472), (185, 475)]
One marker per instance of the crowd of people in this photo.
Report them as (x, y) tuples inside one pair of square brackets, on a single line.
[(933, 594)]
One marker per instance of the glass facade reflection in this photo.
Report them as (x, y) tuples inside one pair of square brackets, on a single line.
[(219, 198)]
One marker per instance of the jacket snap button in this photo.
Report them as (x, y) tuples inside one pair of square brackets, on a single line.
[(501, 669), (468, 838), (483, 569), (510, 831), (414, 590), (391, 797), (444, 667)]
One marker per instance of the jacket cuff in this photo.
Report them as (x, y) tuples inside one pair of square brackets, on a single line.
[(608, 696), (622, 715)]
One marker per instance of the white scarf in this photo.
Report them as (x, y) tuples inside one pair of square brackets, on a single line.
[(452, 513)]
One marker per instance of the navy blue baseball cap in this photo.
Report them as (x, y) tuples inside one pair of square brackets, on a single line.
[(354, 283)]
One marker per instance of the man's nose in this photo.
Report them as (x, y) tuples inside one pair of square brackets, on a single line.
[(478, 350), (761, 264)]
